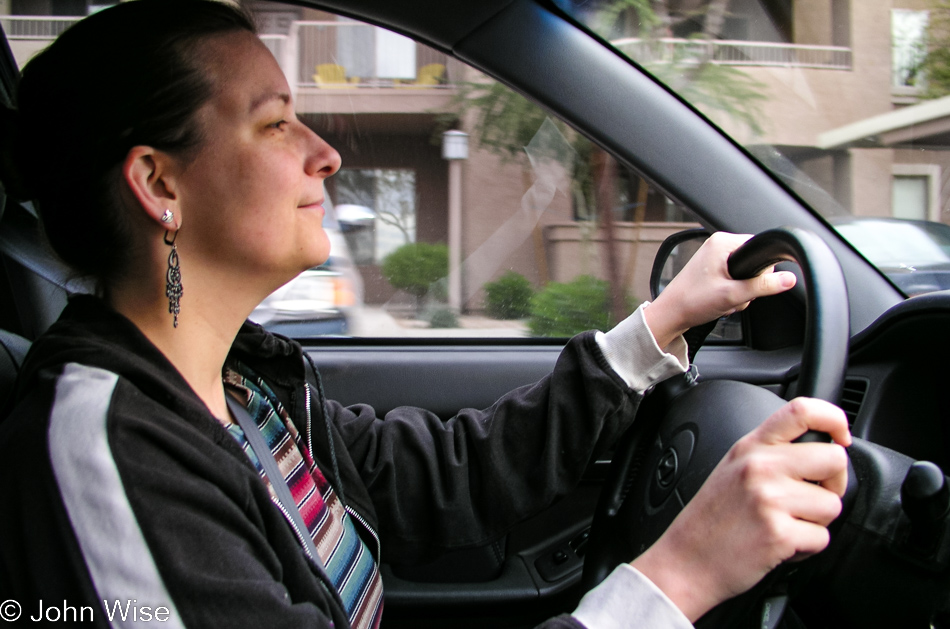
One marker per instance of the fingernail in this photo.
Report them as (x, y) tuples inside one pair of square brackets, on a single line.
[(787, 279)]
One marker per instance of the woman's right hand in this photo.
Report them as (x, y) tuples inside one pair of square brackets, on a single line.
[(704, 291), (769, 500)]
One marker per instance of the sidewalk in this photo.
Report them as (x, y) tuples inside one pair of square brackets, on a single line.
[(375, 321)]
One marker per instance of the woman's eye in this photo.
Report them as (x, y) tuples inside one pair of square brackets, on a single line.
[(277, 125)]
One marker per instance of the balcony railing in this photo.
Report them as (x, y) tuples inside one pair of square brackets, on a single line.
[(328, 55), (735, 53), (40, 28), (334, 55)]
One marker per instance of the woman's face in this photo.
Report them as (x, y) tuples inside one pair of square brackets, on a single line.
[(251, 199)]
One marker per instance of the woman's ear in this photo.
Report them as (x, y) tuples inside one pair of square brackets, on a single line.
[(148, 173)]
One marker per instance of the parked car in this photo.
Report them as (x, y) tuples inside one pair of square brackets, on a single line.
[(915, 255), (555, 53)]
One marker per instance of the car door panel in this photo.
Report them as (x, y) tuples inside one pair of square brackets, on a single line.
[(440, 378), (534, 568)]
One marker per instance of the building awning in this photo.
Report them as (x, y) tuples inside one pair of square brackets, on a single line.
[(925, 125)]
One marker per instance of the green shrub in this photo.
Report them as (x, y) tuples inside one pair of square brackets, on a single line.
[(439, 291), (568, 309), (443, 318), (414, 267), (509, 297)]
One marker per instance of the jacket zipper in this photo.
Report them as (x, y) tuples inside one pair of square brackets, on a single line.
[(293, 525), (325, 580), (306, 402), (356, 516)]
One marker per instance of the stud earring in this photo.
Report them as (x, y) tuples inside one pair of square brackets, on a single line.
[(168, 216), (173, 288)]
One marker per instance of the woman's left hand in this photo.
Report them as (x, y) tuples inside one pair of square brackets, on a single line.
[(704, 291), (768, 500)]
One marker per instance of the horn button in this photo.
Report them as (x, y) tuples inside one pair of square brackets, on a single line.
[(673, 462)]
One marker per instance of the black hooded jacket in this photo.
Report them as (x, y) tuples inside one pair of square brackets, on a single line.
[(122, 494)]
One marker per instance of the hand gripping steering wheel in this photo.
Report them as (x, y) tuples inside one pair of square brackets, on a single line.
[(683, 429)]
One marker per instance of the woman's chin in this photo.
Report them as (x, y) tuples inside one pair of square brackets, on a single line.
[(321, 250)]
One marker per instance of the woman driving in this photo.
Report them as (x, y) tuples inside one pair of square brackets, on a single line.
[(166, 452)]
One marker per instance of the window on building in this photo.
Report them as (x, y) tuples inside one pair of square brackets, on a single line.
[(376, 209), (634, 201), (368, 53), (915, 191), (908, 36), (910, 197)]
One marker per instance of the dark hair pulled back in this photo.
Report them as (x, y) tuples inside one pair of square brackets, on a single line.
[(123, 77)]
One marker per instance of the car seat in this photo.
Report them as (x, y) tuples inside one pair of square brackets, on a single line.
[(13, 348), (35, 286)]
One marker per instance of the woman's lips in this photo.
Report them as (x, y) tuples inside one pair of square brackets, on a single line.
[(316, 205)]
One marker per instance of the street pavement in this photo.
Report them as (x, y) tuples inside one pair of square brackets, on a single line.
[(375, 321)]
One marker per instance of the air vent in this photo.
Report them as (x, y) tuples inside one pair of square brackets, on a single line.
[(852, 395)]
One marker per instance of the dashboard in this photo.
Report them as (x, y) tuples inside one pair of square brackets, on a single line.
[(897, 386), (901, 361)]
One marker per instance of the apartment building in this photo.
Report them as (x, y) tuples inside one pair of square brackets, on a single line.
[(856, 126), (839, 119)]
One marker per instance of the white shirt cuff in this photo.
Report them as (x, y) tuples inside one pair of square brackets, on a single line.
[(632, 352), (628, 600)]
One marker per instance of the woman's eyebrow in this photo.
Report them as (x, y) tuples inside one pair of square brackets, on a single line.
[(266, 98)]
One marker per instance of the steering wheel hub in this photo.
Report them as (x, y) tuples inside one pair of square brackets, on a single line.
[(672, 464)]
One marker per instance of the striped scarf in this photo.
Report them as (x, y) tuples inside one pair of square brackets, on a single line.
[(347, 560)]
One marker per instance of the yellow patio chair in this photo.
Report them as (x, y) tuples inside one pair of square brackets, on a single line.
[(431, 74), (428, 76), (332, 75)]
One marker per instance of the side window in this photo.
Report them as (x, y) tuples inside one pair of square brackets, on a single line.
[(461, 210)]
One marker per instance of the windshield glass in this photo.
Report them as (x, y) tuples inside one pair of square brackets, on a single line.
[(887, 243), (844, 101)]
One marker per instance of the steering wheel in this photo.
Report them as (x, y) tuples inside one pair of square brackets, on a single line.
[(683, 429)]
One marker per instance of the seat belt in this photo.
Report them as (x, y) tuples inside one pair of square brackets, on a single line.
[(285, 500)]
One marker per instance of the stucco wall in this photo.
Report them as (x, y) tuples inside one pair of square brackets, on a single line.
[(804, 102), (570, 243), (502, 229)]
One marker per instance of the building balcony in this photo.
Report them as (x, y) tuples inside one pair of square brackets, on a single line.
[(347, 55), (35, 28), (735, 53), (352, 67), (333, 67), (29, 34)]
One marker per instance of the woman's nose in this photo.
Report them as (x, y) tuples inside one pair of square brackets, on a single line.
[(322, 159)]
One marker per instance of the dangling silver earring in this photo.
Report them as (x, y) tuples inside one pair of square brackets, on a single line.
[(173, 288), (168, 216)]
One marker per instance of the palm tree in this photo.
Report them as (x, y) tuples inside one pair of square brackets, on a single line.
[(504, 123)]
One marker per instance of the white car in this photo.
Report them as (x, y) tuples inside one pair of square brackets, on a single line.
[(320, 301)]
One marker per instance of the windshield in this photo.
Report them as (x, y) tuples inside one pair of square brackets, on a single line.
[(845, 102), (888, 243)]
